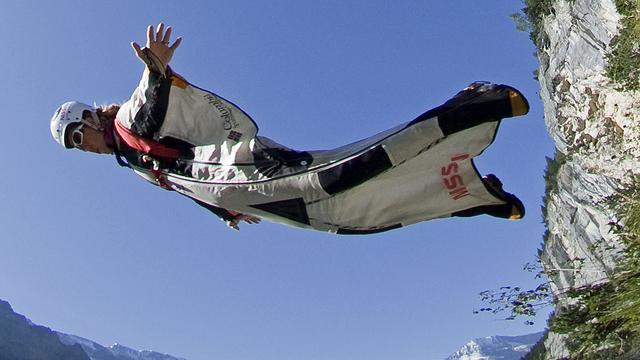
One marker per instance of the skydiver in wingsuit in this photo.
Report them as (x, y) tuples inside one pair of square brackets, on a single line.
[(196, 143)]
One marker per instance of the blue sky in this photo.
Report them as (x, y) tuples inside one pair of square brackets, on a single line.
[(88, 248)]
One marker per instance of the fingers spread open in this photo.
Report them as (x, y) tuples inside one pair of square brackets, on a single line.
[(167, 36), (176, 43), (149, 34), (159, 32), (137, 48)]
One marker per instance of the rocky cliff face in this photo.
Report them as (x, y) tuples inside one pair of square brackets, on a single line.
[(595, 126)]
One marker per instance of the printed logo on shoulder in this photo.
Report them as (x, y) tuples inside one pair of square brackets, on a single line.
[(225, 112)]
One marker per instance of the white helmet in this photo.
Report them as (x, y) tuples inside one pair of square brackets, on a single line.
[(67, 114)]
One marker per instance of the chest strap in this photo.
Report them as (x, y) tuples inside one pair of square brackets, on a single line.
[(146, 146), (153, 151)]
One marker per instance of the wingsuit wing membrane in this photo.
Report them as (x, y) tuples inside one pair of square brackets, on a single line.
[(416, 171)]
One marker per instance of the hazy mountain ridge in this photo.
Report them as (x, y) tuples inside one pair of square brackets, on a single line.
[(23, 340), (20, 339)]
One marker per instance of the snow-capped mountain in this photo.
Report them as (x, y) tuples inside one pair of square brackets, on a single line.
[(22, 339), (497, 348), (96, 351)]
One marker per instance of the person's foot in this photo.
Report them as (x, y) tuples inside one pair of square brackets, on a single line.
[(493, 182), (517, 209), (519, 105)]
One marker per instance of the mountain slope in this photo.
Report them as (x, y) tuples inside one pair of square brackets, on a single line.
[(497, 347), (20, 339)]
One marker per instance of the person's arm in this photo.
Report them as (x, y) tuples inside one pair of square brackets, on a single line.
[(157, 53)]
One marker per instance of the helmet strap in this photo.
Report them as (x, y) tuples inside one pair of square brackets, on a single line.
[(96, 124)]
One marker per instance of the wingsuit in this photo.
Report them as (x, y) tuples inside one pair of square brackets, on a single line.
[(416, 171)]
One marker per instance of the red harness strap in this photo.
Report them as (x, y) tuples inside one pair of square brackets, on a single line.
[(148, 147)]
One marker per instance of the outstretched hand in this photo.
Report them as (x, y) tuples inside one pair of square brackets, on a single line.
[(157, 53), (249, 219)]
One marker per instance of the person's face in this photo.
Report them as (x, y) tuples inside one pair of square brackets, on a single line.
[(92, 139)]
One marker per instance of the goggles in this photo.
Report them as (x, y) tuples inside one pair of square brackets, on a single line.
[(77, 136)]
